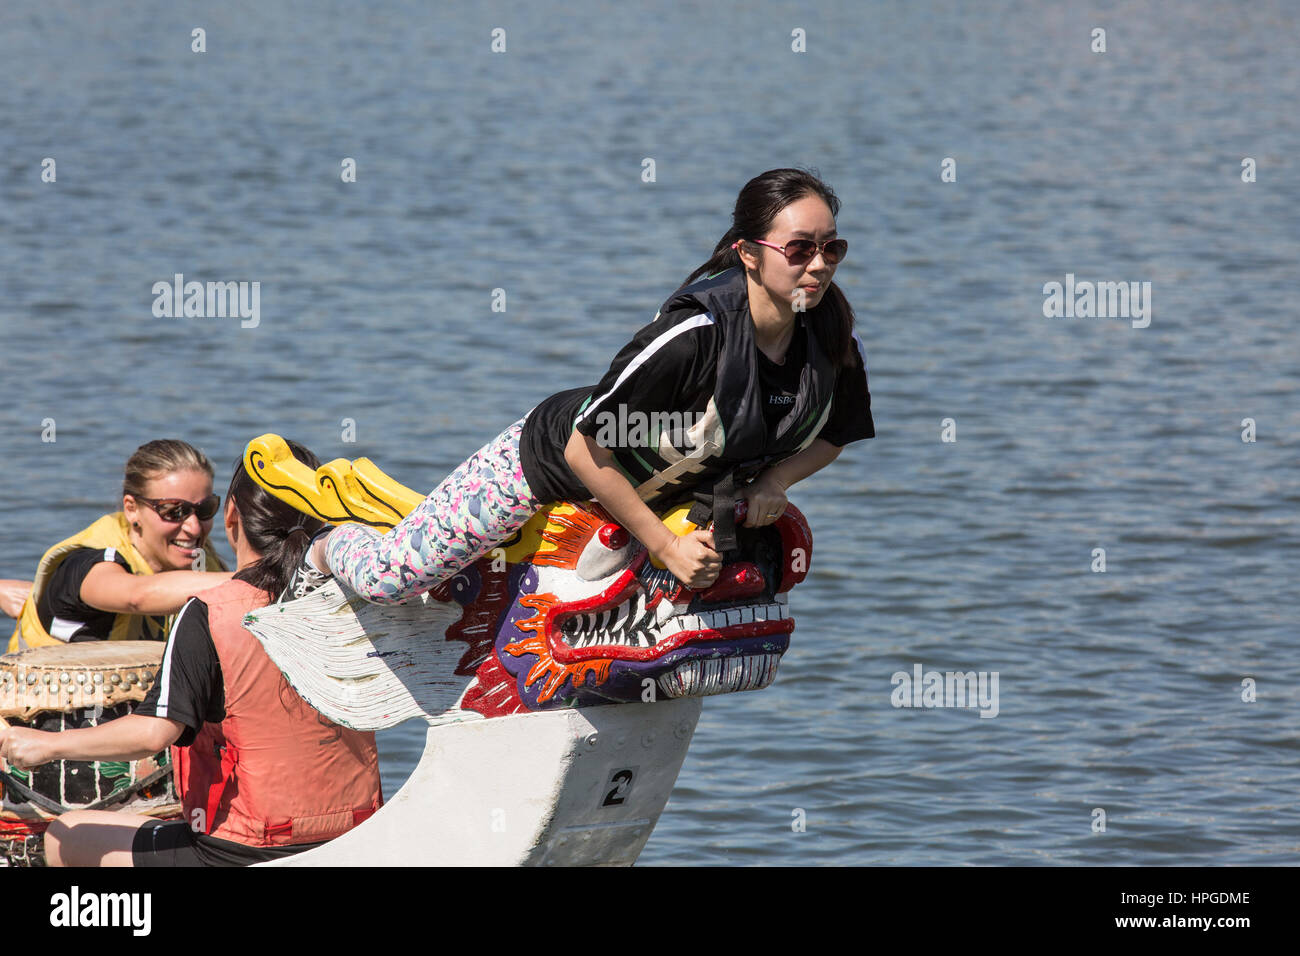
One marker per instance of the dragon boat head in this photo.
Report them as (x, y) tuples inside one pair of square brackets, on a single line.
[(573, 611)]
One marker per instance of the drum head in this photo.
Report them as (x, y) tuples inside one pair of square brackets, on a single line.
[(66, 677)]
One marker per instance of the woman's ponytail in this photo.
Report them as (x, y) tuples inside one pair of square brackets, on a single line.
[(278, 532)]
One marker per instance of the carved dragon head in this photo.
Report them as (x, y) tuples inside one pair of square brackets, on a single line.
[(572, 611)]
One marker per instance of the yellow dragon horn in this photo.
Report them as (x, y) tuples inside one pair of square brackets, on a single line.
[(338, 491)]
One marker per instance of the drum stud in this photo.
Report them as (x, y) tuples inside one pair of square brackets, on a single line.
[(115, 679), (130, 677), (31, 678), (99, 678), (81, 678), (49, 678), (64, 677)]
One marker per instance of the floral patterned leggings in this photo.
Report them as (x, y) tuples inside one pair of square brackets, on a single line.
[(476, 507)]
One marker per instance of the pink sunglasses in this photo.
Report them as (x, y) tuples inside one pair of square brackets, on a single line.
[(799, 252)]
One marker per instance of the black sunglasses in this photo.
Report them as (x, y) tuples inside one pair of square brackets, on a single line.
[(176, 510)]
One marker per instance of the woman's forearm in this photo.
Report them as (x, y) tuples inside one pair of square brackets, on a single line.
[(167, 591), (127, 738), (594, 467), (809, 461), (110, 587)]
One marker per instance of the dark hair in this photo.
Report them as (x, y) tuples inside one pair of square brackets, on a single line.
[(757, 207), (277, 531), (158, 458)]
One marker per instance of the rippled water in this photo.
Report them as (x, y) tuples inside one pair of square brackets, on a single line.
[(522, 171)]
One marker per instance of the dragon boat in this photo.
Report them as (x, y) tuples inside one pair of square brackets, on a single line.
[(560, 676)]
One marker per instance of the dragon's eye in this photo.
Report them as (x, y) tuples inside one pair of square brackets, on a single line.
[(605, 553)]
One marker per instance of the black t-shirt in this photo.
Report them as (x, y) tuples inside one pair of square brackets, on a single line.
[(671, 364), (779, 384), (63, 613), (191, 690)]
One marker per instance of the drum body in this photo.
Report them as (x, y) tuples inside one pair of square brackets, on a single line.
[(77, 685)]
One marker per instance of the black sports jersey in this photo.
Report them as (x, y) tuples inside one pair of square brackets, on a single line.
[(189, 689), (63, 613), (671, 365)]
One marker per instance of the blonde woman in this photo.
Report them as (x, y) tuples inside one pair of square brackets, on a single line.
[(119, 578)]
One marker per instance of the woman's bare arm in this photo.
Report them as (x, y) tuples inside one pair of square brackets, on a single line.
[(807, 462), (111, 587), (126, 738), (766, 493), (12, 595), (691, 558)]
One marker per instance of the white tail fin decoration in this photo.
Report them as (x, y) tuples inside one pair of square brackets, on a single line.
[(366, 666)]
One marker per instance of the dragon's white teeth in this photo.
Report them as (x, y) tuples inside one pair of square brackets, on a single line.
[(664, 610), (631, 624), (624, 613)]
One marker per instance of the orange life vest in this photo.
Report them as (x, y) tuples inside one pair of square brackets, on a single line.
[(274, 772)]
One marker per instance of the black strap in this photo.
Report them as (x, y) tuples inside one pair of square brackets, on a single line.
[(724, 513), (42, 801), (718, 504), (53, 806)]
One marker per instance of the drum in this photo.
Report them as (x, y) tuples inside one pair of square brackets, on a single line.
[(77, 685)]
